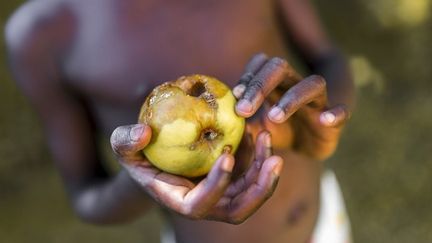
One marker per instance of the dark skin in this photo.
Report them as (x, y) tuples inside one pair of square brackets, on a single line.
[(87, 66)]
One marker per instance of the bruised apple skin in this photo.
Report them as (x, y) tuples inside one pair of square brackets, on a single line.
[(193, 122)]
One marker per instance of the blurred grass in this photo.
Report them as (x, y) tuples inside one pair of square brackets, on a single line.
[(384, 160)]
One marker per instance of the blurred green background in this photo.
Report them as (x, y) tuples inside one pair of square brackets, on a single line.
[(384, 160)]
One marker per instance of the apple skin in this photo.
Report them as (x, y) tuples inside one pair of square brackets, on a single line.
[(193, 122)]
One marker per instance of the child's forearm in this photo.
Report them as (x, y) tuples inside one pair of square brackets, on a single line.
[(334, 67), (114, 200), (317, 49)]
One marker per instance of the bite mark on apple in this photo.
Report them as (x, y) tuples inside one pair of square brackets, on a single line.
[(197, 89)]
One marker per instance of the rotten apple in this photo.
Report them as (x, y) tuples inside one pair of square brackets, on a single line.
[(193, 122)]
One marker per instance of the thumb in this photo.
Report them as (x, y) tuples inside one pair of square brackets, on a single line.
[(127, 141)]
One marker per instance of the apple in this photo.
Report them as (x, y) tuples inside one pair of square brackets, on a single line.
[(193, 122)]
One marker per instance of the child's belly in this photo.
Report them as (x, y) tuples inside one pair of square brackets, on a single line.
[(288, 216)]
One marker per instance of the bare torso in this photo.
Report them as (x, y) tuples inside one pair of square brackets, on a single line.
[(121, 49)]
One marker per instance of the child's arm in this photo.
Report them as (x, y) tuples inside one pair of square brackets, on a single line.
[(318, 106), (318, 51), (35, 41)]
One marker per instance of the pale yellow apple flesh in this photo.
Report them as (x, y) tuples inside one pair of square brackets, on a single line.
[(193, 122)]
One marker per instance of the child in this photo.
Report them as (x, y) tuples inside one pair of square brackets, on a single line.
[(87, 66)]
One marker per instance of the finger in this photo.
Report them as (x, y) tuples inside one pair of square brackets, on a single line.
[(256, 62), (246, 203), (251, 69), (335, 117), (270, 75), (128, 141), (263, 150), (206, 194), (311, 90)]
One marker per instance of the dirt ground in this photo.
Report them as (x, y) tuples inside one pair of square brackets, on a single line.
[(384, 160)]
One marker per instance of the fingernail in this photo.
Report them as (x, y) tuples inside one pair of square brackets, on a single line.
[(277, 114), (227, 164), (327, 117), (245, 106), (277, 168), (238, 90), (136, 132)]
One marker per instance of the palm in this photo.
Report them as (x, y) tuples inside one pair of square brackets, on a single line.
[(310, 136)]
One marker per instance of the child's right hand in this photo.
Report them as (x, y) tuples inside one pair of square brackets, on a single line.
[(215, 197)]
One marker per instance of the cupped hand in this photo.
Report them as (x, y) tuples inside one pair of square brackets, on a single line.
[(302, 102), (218, 196)]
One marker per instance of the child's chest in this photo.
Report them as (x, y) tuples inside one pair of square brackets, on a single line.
[(123, 49)]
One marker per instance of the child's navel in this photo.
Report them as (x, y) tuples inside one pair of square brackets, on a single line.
[(298, 212)]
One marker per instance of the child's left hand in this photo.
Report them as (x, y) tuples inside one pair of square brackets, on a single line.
[(316, 127)]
